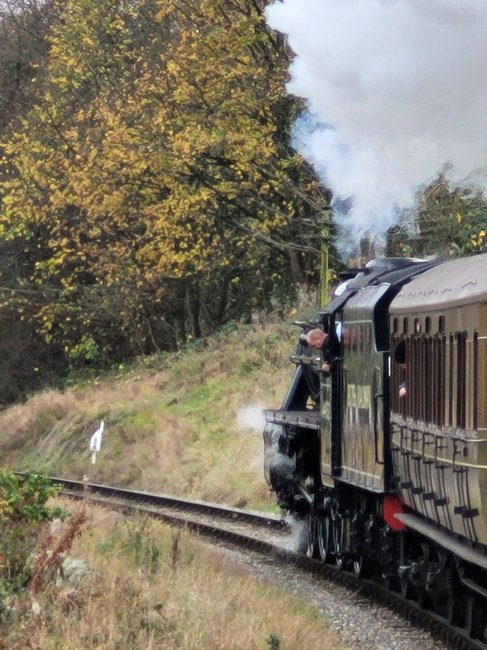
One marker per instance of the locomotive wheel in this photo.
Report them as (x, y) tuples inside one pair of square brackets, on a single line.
[(337, 532), (449, 605), (300, 526), (455, 614), (422, 597), (323, 538), (406, 588), (360, 567), (312, 524), (446, 608), (474, 617), (360, 564)]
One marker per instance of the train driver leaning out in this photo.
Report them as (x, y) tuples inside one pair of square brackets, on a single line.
[(400, 358), (316, 339)]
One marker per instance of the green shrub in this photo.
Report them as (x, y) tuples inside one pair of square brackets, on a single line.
[(273, 642), (23, 511)]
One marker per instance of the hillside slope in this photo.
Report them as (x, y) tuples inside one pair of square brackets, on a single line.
[(187, 424)]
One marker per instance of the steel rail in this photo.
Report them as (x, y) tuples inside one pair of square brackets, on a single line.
[(165, 500)]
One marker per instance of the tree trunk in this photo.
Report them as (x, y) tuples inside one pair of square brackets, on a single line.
[(193, 309), (296, 270)]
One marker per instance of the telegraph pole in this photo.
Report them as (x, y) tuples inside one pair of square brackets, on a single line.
[(325, 223)]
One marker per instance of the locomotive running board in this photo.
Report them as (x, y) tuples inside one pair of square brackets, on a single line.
[(305, 419), (444, 539)]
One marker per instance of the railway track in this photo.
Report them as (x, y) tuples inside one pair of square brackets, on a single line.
[(254, 530), (265, 534)]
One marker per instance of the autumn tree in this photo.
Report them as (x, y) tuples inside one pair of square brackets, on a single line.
[(151, 187), (23, 48), (447, 222)]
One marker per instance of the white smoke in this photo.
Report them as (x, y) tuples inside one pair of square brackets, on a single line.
[(397, 93), (251, 418)]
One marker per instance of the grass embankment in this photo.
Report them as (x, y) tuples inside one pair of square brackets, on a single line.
[(153, 587), (172, 423)]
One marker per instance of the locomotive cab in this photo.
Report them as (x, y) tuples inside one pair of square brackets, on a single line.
[(333, 424), (363, 389), (327, 449)]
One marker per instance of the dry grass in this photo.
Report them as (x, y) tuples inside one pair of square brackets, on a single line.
[(172, 424), (158, 587)]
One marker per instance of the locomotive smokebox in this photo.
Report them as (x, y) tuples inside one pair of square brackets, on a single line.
[(278, 466)]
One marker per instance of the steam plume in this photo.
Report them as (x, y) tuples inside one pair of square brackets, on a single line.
[(397, 93), (251, 418)]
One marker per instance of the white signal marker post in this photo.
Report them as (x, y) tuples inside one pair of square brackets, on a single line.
[(95, 441)]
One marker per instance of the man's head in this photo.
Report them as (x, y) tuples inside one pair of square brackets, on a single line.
[(316, 338)]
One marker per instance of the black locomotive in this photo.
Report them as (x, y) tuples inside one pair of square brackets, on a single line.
[(379, 445)]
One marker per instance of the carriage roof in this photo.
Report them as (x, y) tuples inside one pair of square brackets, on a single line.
[(450, 284)]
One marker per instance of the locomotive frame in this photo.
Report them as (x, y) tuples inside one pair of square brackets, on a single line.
[(394, 487)]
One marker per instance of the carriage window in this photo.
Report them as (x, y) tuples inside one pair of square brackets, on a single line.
[(441, 385), (461, 340), (450, 381), (420, 366), (436, 380), (429, 379), (398, 375), (475, 405), (413, 378), (422, 374)]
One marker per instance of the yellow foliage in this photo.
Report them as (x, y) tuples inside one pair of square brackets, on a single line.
[(155, 150)]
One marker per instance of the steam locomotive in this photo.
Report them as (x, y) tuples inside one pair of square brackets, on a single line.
[(380, 446)]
